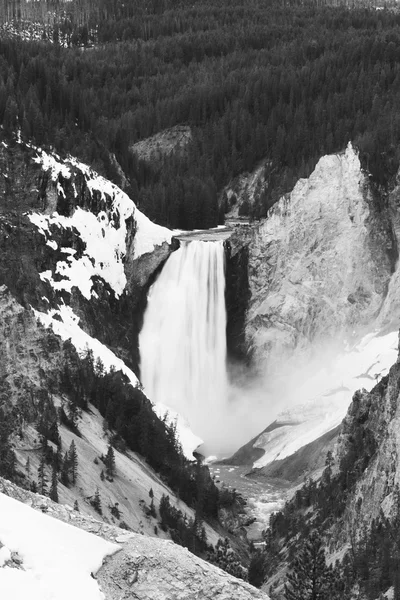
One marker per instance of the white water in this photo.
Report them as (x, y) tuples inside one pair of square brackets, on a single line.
[(183, 339)]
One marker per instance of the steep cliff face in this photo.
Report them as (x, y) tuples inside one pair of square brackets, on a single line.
[(373, 424), (237, 295), (320, 264), (70, 237), (323, 278)]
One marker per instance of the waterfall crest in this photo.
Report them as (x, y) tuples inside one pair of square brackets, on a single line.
[(183, 339)]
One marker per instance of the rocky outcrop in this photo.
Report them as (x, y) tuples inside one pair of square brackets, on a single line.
[(144, 568), (371, 430), (162, 571), (40, 252), (173, 141), (321, 263), (237, 295)]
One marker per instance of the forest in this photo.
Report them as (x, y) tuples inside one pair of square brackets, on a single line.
[(285, 83)]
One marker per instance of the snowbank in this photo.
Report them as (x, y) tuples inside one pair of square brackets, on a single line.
[(58, 559)]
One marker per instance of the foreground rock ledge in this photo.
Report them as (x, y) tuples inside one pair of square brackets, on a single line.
[(151, 569), (145, 568)]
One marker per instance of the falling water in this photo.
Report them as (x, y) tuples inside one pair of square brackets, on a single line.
[(183, 339)]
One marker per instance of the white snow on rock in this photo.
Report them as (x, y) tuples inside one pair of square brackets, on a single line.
[(66, 324), (58, 559), (104, 234), (329, 391)]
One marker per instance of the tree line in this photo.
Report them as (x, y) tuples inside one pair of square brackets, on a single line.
[(287, 83)]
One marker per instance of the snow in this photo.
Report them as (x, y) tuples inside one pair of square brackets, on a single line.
[(52, 243), (66, 324), (104, 234), (148, 235), (57, 558), (329, 391), (5, 555), (53, 164)]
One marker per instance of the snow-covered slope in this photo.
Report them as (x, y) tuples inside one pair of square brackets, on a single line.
[(45, 557), (329, 393), (57, 560)]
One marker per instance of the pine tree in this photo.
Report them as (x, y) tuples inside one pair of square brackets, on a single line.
[(73, 461), (152, 506), (110, 462), (76, 506), (65, 469), (54, 484), (309, 576), (42, 479), (96, 502)]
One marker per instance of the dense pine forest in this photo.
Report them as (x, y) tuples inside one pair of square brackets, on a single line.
[(252, 80)]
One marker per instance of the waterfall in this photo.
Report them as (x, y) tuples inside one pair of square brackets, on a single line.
[(183, 339)]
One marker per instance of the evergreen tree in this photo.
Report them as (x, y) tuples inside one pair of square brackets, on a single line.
[(96, 502), (110, 462), (54, 484), (42, 479), (152, 506), (309, 576), (76, 506), (73, 461), (7, 454), (65, 470)]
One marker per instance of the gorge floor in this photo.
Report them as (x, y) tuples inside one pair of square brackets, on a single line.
[(263, 495)]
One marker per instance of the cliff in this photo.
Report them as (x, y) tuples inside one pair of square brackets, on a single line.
[(321, 263), (323, 283)]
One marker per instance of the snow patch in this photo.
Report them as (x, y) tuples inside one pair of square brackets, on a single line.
[(52, 243), (66, 324), (5, 555), (58, 559)]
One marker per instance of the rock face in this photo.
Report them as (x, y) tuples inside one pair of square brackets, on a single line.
[(237, 295), (373, 419), (320, 264), (59, 218), (160, 570), (323, 274), (145, 568)]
